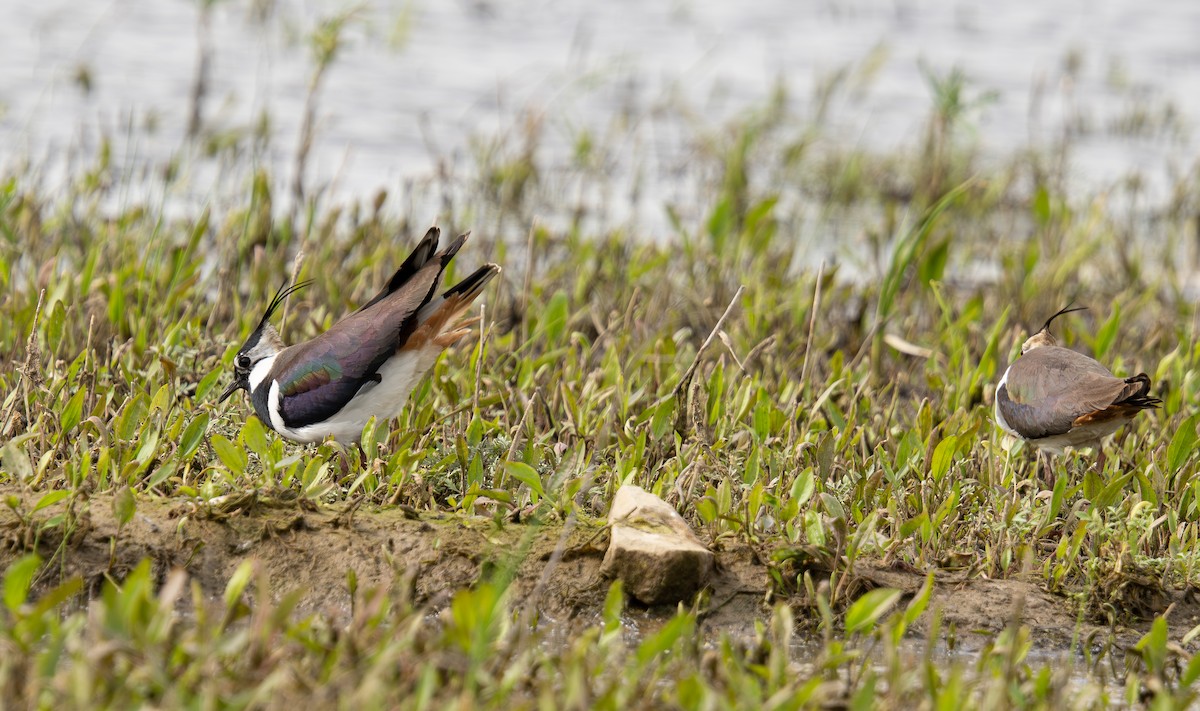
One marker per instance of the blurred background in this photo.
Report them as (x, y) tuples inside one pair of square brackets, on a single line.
[(618, 99)]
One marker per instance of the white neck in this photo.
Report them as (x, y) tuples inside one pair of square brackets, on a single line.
[(260, 370)]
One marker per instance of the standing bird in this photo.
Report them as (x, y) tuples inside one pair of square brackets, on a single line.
[(1053, 397), (367, 363)]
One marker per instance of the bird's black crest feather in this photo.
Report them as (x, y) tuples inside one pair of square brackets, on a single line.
[(1065, 310), (284, 292)]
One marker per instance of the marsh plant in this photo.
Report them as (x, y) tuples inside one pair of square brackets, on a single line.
[(829, 416)]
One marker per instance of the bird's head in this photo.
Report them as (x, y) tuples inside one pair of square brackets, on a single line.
[(264, 342), (1044, 337)]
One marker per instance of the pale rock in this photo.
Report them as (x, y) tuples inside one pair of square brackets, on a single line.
[(652, 550)]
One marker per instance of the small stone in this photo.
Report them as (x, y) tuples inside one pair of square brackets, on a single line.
[(652, 550)]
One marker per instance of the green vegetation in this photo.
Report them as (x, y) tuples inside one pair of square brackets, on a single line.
[(841, 416)]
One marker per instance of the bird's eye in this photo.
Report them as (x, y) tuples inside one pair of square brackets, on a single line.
[(243, 362)]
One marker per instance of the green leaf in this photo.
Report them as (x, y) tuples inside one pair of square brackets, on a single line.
[(207, 383), (1182, 444), (1056, 498), (1112, 493), (867, 610), (164, 472), (813, 529), (50, 499), (58, 596), (760, 212), (18, 579), (1153, 646), (661, 421), (56, 322), (720, 224), (475, 471), (1041, 205), (16, 461), (232, 456), (368, 441), (555, 318), (943, 457), (933, 266), (614, 605), (238, 582), (662, 641), (132, 416), (72, 414), (193, 435), (255, 437), (148, 445), (475, 431), (500, 495), (908, 247), (527, 475), (919, 602), (161, 402), (1107, 334), (833, 507), (803, 487), (1191, 674), (124, 505)]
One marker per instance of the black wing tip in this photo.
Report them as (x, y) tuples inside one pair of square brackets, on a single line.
[(1143, 402), (419, 257), (473, 284), (1065, 310), (452, 249), (432, 235), (421, 254), (1142, 398)]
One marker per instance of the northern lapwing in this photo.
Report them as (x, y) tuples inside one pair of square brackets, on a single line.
[(1054, 397), (367, 363)]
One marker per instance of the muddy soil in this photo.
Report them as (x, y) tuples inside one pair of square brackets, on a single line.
[(557, 567)]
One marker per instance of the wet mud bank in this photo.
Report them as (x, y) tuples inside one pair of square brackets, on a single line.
[(555, 569)]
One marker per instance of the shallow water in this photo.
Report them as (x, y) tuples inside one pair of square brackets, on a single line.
[(806, 651), (417, 81)]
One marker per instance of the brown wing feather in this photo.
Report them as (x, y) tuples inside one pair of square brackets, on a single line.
[(1133, 399), (454, 303)]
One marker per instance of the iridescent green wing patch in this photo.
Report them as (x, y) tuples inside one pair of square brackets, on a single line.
[(309, 376)]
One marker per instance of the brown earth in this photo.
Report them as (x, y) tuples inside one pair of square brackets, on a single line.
[(557, 567)]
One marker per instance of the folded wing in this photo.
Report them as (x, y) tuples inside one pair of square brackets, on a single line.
[(317, 378), (1050, 390)]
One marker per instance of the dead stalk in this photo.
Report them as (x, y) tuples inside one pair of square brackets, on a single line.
[(691, 371)]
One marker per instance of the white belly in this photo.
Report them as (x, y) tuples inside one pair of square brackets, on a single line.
[(382, 400)]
